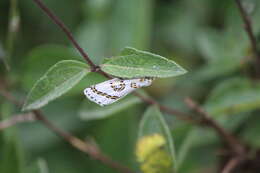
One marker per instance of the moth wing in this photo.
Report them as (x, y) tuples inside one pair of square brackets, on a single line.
[(108, 92)]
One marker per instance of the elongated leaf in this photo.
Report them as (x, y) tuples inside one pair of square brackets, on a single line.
[(92, 111), (58, 80), (224, 53), (234, 96), (135, 63), (154, 123)]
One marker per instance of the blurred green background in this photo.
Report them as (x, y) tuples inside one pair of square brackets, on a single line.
[(206, 37)]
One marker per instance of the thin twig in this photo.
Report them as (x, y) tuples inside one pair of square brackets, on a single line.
[(16, 119), (180, 115), (248, 28), (66, 31), (82, 146), (231, 164), (206, 119), (9, 97)]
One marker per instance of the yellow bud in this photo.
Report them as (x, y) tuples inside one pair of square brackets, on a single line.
[(147, 144), (158, 162), (152, 155)]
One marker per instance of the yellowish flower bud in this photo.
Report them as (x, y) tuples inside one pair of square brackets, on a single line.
[(152, 154)]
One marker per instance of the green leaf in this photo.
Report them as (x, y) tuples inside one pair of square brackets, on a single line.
[(134, 63), (59, 79), (92, 111), (234, 96), (186, 145), (223, 51), (154, 123)]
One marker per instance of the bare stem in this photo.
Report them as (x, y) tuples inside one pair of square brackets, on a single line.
[(16, 119), (248, 28), (231, 164), (66, 31), (233, 143), (82, 146), (180, 115)]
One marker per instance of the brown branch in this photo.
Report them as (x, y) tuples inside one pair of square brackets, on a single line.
[(233, 143), (66, 31), (180, 115), (82, 146), (248, 28), (9, 97), (231, 164), (16, 119)]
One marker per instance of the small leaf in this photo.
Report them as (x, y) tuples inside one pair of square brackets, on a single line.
[(152, 124), (59, 79), (134, 63), (92, 111)]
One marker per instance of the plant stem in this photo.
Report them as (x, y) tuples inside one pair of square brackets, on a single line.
[(249, 30), (57, 21), (82, 146), (16, 119), (233, 143)]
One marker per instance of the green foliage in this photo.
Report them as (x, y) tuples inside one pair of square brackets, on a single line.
[(221, 49), (207, 38), (58, 80), (134, 63), (233, 96)]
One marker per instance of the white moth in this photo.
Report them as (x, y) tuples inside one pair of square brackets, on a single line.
[(112, 90)]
